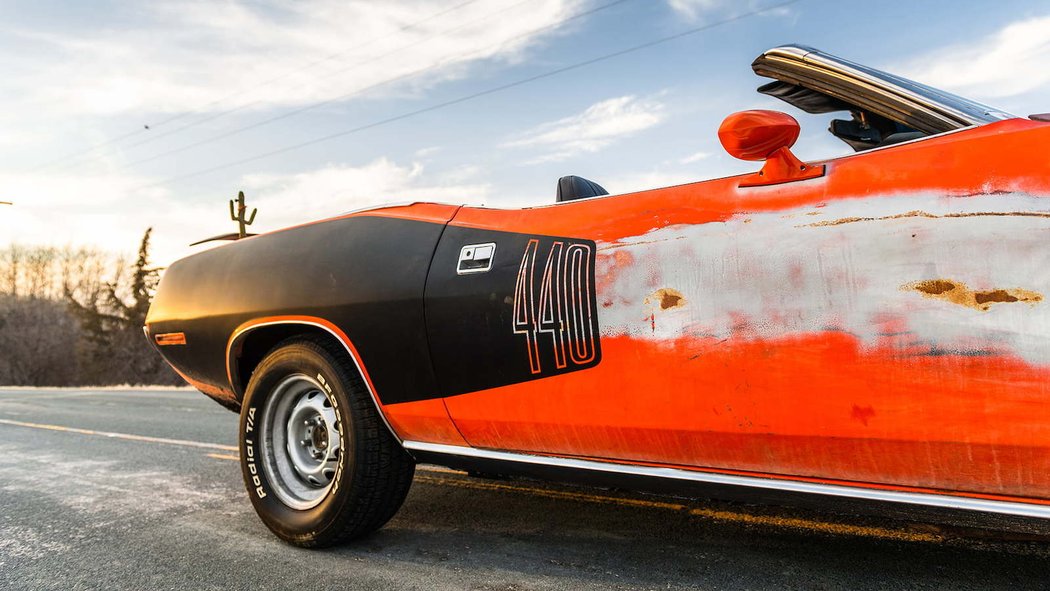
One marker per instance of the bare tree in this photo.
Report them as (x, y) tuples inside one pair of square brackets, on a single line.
[(112, 319), (63, 323)]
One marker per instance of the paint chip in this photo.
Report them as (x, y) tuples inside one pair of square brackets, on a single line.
[(668, 298), (956, 292)]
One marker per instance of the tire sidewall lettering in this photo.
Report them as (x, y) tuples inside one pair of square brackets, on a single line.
[(249, 454), (256, 474)]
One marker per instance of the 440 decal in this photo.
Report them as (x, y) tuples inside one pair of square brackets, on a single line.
[(554, 306)]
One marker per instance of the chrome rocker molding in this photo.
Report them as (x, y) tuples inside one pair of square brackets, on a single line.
[(357, 362), (790, 486)]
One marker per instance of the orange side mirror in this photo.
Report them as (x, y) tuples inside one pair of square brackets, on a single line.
[(766, 135)]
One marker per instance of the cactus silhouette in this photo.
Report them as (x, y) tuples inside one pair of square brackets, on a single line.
[(238, 217)]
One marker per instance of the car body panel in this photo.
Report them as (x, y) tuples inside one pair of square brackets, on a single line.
[(216, 295), (789, 333), (882, 326)]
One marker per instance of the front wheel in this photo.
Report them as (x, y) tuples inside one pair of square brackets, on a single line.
[(319, 465)]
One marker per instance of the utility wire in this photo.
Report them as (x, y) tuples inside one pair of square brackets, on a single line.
[(316, 105), (339, 71), (472, 96), (236, 93), (329, 74)]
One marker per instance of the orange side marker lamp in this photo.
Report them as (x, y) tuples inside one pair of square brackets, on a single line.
[(170, 338), (766, 135)]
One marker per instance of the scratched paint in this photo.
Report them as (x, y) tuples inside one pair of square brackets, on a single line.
[(798, 352), (767, 276)]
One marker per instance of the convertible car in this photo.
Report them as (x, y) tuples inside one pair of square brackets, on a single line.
[(871, 326)]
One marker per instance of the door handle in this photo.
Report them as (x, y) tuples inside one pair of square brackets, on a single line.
[(476, 258)]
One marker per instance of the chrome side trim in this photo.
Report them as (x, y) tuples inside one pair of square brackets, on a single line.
[(357, 362), (794, 486)]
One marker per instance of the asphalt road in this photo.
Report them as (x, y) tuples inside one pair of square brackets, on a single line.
[(94, 493)]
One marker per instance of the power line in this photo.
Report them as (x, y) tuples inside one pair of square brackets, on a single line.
[(236, 93), (412, 74), (476, 95), (339, 71)]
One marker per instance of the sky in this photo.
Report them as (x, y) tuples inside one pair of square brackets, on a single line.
[(118, 116)]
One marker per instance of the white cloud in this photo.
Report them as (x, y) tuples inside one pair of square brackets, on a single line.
[(111, 212), (595, 128), (693, 9), (334, 189), (183, 54), (1009, 62), (697, 157), (427, 152), (646, 180)]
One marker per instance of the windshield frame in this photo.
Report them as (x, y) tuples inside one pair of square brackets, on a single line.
[(951, 111)]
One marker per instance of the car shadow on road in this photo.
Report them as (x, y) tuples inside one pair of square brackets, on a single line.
[(521, 532)]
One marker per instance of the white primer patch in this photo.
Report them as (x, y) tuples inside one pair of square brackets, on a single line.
[(843, 267)]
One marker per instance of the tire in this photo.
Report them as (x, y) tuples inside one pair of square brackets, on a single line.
[(320, 466)]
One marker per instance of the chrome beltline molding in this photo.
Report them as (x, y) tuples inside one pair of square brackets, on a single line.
[(794, 486)]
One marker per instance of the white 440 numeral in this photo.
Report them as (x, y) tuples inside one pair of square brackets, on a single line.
[(561, 308)]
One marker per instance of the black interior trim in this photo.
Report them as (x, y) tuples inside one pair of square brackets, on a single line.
[(574, 187)]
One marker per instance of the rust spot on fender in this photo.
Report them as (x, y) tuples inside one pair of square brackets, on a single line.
[(935, 286), (667, 298), (956, 292)]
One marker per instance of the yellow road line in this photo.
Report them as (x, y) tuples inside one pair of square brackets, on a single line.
[(552, 494), (714, 514), (842, 529), (127, 436)]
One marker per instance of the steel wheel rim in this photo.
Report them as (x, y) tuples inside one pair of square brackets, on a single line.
[(302, 441)]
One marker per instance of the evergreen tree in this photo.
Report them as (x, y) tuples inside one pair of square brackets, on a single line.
[(114, 350)]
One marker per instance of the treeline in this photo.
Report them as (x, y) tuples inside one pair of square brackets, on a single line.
[(74, 316)]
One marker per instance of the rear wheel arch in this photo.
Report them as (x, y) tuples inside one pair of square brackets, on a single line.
[(254, 340)]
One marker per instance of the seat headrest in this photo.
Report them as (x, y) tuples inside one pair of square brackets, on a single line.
[(576, 187)]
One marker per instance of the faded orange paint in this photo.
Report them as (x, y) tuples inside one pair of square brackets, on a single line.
[(982, 160), (825, 406), (973, 424)]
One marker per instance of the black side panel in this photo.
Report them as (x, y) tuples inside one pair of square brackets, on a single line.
[(532, 315), (364, 274)]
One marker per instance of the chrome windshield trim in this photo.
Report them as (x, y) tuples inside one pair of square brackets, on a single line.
[(784, 485), (961, 109)]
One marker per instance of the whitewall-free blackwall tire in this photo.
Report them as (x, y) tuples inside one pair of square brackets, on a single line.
[(320, 466)]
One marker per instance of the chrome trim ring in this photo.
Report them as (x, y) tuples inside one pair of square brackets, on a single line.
[(301, 441)]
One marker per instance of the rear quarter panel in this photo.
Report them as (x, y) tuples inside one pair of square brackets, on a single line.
[(364, 274)]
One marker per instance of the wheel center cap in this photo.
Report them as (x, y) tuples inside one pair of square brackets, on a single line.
[(320, 437)]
